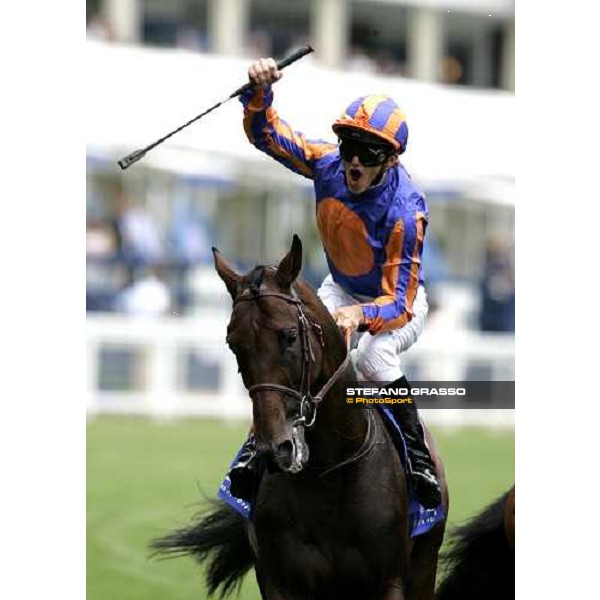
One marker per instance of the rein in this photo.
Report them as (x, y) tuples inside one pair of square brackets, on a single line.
[(304, 396), (366, 447)]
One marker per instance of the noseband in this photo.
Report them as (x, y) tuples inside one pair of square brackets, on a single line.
[(308, 402)]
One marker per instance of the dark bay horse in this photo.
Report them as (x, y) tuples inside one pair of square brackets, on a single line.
[(481, 556), (330, 518)]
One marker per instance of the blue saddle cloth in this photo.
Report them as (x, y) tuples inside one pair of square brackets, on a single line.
[(421, 519)]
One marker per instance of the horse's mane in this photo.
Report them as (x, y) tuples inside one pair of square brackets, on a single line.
[(480, 562)]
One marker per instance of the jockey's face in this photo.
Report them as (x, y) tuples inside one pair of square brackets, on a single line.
[(364, 163), (360, 178)]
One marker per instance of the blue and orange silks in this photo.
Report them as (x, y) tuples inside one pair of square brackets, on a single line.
[(373, 241)]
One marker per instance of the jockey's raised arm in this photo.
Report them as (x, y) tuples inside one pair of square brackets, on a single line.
[(271, 134)]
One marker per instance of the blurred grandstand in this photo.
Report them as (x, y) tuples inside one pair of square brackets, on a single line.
[(156, 311)]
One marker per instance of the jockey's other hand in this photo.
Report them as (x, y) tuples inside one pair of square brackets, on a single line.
[(348, 318), (264, 72)]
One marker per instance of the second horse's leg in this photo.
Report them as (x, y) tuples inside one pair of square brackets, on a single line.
[(424, 559), (394, 591)]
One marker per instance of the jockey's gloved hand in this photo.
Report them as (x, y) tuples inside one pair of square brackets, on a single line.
[(264, 72), (349, 318)]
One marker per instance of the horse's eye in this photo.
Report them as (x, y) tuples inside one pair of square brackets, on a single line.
[(288, 336)]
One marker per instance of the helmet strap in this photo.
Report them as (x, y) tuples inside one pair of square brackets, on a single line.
[(379, 176)]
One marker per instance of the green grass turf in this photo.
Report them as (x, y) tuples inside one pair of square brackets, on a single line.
[(144, 478)]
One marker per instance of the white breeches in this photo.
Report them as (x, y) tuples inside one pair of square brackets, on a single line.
[(377, 357)]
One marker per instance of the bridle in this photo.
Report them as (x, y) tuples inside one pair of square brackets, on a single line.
[(308, 402)]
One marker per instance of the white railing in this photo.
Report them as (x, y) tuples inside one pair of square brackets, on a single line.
[(182, 367)]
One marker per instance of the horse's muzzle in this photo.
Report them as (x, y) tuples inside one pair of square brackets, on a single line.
[(289, 456)]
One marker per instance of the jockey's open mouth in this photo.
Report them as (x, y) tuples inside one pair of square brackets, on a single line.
[(357, 179), (355, 174)]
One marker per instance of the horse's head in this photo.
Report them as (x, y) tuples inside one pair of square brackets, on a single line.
[(278, 344)]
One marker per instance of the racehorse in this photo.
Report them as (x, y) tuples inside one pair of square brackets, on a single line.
[(330, 516), (481, 558)]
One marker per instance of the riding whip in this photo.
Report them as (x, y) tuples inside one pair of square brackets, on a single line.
[(136, 155)]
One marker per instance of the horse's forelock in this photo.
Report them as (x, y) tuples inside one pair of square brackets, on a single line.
[(255, 279), (259, 275)]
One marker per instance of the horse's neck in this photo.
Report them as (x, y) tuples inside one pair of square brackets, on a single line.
[(340, 429)]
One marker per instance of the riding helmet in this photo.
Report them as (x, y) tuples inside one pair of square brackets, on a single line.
[(374, 119)]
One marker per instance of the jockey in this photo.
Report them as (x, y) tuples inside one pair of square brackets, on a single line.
[(372, 221)]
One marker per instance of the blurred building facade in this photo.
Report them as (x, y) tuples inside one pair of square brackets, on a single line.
[(464, 42)]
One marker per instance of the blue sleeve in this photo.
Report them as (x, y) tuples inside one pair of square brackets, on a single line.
[(272, 135), (400, 276)]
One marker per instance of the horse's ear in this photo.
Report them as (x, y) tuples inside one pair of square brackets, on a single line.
[(226, 273), (290, 265)]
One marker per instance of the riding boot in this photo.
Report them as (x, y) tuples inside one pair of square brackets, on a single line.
[(423, 478), (244, 474)]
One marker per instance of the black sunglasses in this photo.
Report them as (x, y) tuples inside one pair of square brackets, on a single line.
[(370, 155)]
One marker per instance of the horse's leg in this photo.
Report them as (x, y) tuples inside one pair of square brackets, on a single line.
[(424, 559), (273, 594), (394, 591), (260, 580)]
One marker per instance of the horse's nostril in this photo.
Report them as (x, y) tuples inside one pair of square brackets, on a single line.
[(262, 451), (284, 450)]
